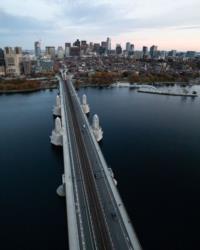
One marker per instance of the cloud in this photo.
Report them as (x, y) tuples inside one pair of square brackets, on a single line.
[(42, 10), (194, 27), (18, 24), (59, 20), (114, 17), (88, 14)]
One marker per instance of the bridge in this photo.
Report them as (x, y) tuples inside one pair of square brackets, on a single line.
[(96, 216)]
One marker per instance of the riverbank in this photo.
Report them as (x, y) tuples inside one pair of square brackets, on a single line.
[(108, 79), (27, 90), (24, 85), (132, 85)]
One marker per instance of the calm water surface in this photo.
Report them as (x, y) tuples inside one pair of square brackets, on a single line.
[(151, 142), (32, 216)]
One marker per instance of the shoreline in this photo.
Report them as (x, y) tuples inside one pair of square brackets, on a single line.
[(25, 90), (128, 84)]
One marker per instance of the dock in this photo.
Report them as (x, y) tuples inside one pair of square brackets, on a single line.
[(158, 92)]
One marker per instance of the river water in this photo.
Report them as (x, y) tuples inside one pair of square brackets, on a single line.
[(151, 142), (32, 216)]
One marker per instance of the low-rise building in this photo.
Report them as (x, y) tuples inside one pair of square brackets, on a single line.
[(2, 71), (46, 65)]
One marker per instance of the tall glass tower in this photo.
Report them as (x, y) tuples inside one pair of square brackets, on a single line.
[(37, 49), (108, 43)]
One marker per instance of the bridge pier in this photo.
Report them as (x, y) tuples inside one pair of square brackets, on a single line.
[(85, 106), (97, 130), (61, 189), (57, 107), (57, 133)]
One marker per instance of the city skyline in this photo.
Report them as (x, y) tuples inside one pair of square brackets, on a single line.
[(111, 47), (139, 22)]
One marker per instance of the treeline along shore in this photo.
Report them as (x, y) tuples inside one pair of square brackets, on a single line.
[(108, 78), (26, 85)]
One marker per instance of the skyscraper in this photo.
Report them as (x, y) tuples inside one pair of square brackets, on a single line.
[(153, 51), (77, 43), (96, 47), (18, 50), (108, 43), (37, 49), (67, 49), (83, 43), (2, 59), (128, 47), (132, 47), (27, 65), (172, 53), (145, 51), (118, 49), (2, 63), (13, 59), (50, 51), (104, 44), (60, 52), (75, 51), (131, 51)]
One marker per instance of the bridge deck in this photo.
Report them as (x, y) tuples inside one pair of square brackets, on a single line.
[(101, 217)]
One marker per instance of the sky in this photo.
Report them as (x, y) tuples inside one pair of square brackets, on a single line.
[(170, 24)]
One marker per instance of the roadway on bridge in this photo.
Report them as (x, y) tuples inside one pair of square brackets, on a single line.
[(100, 223)]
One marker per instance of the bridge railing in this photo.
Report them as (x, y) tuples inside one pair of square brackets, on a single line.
[(74, 242)]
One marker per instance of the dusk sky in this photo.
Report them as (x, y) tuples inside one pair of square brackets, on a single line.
[(169, 24)]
